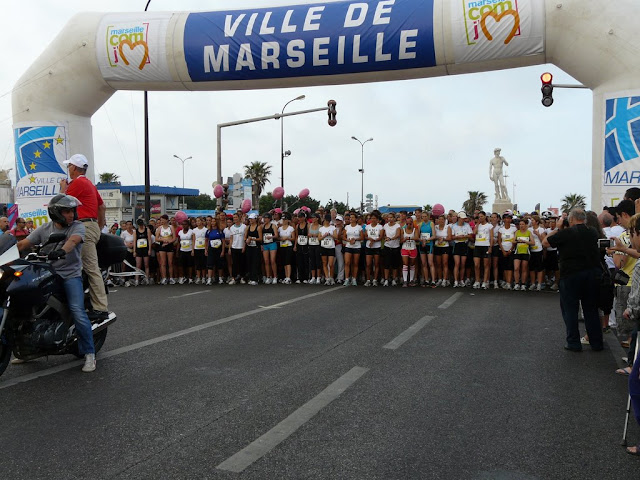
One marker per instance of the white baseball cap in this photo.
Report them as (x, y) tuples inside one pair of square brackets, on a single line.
[(77, 160), (253, 215), (339, 217)]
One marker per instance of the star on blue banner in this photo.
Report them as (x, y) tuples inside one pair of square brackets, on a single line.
[(35, 150), (622, 131)]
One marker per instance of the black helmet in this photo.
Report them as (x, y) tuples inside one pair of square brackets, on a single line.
[(59, 202)]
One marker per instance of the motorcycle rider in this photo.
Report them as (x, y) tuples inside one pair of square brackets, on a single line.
[(67, 262)]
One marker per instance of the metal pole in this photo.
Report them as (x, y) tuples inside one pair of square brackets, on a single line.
[(301, 97), (362, 176), (147, 173)]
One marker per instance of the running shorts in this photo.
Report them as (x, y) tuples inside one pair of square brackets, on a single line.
[(535, 262), (392, 258), (481, 251), (460, 249), (327, 252), (409, 253), (506, 262), (441, 251), (373, 251), (521, 256), (352, 251), (269, 247)]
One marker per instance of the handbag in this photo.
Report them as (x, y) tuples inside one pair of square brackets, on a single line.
[(620, 278)]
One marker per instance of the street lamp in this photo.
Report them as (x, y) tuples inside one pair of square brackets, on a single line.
[(362, 171), (282, 155), (183, 162)]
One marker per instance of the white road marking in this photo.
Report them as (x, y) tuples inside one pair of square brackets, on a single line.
[(408, 333), (451, 300), (192, 293), (153, 341), (267, 442)]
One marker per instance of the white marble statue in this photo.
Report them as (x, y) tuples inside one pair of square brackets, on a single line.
[(497, 177)]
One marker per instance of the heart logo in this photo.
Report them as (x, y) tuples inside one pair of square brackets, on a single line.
[(131, 46), (497, 18)]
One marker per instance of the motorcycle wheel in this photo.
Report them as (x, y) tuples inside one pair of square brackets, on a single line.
[(5, 356), (98, 342)]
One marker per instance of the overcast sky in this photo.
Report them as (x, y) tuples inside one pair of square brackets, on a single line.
[(433, 138)]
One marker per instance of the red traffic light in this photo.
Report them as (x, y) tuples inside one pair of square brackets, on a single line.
[(546, 78), (331, 111)]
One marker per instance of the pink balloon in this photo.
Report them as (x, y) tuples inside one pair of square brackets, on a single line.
[(246, 205), (438, 209), (180, 217), (218, 191), (304, 193), (305, 208), (278, 193)]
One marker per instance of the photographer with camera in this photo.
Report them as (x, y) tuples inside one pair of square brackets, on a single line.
[(580, 274)]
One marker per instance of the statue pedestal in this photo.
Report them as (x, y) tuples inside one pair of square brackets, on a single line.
[(501, 205)]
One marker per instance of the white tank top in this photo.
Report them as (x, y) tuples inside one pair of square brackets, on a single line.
[(165, 232), (201, 238), (353, 232), (185, 240), (441, 236), (409, 243)]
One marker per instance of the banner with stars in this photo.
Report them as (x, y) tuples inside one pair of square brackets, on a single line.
[(40, 149)]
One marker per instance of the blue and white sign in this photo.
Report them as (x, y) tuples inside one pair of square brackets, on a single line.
[(621, 147), (307, 40)]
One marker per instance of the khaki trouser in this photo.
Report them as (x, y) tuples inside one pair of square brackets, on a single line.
[(91, 268)]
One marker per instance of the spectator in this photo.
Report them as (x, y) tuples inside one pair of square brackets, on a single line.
[(580, 274)]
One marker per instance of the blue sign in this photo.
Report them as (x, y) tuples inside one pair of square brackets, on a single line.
[(622, 131), (308, 40)]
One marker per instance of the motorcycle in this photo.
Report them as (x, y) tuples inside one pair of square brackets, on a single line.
[(35, 320)]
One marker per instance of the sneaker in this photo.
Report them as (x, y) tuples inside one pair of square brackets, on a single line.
[(243, 281), (287, 281), (523, 287), (89, 363), (232, 281), (135, 283), (467, 282), (163, 281), (298, 282), (516, 287), (485, 285), (208, 283), (18, 361), (584, 341), (476, 285), (305, 281), (554, 288), (220, 281), (385, 283), (496, 286), (181, 281), (367, 283), (532, 287), (502, 283), (374, 283), (312, 281), (394, 283), (405, 284), (455, 284), (267, 280), (507, 286), (274, 281), (264, 280), (433, 284), (190, 281), (197, 282), (540, 287), (127, 283), (354, 282), (439, 283), (97, 315), (253, 282), (172, 281)]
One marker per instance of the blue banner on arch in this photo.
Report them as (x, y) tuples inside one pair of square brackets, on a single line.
[(307, 40)]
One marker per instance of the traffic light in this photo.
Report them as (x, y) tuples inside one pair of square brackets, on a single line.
[(331, 111), (547, 89)]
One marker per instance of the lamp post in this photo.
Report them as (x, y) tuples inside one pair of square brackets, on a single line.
[(362, 170), (147, 177), (183, 162), (282, 153)]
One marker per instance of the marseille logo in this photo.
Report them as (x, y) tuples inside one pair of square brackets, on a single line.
[(622, 131)]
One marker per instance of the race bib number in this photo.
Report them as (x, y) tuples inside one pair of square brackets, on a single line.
[(442, 243), (507, 237), (481, 238), (215, 243), (314, 241), (185, 243), (251, 242), (285, 243), (327, 242), (200, 242), (142, 243), (302, 240), (267, 238), (373, 235), (425, 236), (409, 245)]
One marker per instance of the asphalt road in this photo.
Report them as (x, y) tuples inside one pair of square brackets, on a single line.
[(292, 382)]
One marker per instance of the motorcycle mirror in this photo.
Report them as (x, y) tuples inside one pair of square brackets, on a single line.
[(56, 238)]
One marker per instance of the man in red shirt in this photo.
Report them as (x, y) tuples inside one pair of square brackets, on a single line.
[(92, 214)]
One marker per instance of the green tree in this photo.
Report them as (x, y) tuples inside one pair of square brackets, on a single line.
[(427, 208), (339, 206), (573, 200), (201, 202), (291, 202), (475, 202), (108, 177), (258, 172)]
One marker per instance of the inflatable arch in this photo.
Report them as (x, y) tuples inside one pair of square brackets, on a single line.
[(595, 41)]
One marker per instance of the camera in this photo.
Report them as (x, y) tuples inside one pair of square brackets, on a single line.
[(604, 243)]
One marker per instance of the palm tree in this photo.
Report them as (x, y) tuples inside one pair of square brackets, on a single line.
[(427, 207), (109, 178), (258, 173), (475, 202), (573, 200)]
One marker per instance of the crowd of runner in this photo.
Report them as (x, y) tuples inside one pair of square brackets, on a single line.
[(406, 249)]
